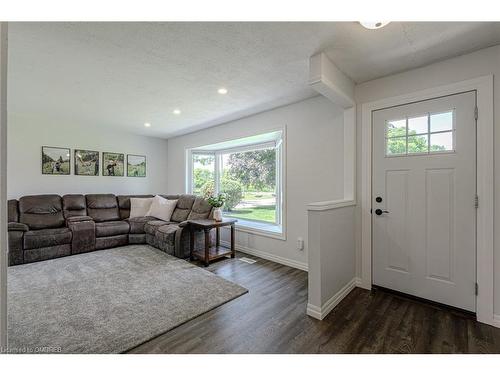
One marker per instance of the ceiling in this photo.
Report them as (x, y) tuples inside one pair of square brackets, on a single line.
[(121, 75)]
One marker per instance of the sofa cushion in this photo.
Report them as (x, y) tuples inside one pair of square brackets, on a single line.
[(41, 211), (12, 211), (151, 226), (184, 205), (74, 205), (201, 209), (169, 196), (137, 224), (111, 228), (35, 239), (124, 204), (102, 207)]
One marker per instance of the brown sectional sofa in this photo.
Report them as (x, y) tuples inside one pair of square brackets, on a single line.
[(43, 227)]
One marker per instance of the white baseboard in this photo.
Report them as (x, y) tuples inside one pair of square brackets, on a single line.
[(273, 258), (321, 312), (496, 320)]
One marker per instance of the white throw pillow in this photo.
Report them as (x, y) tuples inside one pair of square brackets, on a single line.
[(140, 206), (162, 208)]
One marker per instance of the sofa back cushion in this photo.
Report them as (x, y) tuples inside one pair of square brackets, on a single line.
[(12, 211), (102, 207), (41, 211), (184, 205), (170, 196), (201, 209), (74, 205), (124, 204)]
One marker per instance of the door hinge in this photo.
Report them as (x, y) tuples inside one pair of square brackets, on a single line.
[(476, 201), (476, 113), (476, 289)]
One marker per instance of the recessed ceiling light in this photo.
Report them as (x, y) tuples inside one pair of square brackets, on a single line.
[(374, 25), (176, 111), (222, 91), (147, 124)]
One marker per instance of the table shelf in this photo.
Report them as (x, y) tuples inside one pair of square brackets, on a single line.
[(210, 252), (214, 252)]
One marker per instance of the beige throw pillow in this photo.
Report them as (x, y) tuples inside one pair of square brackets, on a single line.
[(140, 206), (162, 208)]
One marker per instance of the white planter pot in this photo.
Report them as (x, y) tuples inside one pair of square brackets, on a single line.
[(217, 214)]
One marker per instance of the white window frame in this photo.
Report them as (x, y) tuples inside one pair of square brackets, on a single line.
[(264, 228), (428, 134)]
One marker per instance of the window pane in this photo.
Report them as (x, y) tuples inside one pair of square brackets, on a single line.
[(417, 144), (442, 121), (249, 181), (203, 174), (396, 146), (395, 128), (417, 125), (442, 141)]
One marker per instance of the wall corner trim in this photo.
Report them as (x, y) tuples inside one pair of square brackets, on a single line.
[(321, 312), (496, 321), (330, 205)]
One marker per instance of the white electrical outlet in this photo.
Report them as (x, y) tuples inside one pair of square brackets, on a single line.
[(300, 243)]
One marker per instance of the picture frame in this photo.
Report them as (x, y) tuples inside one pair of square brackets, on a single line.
[(56, 160), (86, 162), (113, 164), (136, 165)]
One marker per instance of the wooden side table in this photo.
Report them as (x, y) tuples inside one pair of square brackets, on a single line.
[(210, 253)]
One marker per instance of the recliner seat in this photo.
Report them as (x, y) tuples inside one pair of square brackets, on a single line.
[(46, 236)]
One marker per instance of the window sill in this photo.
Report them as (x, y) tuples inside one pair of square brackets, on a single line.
[(259, 228)]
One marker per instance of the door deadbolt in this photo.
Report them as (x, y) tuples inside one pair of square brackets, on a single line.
[(378, 199)]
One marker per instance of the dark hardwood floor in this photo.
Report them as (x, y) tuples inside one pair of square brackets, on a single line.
[(272, 318)]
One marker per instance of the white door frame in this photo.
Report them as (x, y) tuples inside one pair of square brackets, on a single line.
[(485, 180)]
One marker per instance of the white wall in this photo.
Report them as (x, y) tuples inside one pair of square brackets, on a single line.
[(314, 165), (26, 136), (480, 63)]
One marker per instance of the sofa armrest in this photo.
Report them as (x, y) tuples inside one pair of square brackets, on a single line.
[(16, 239), (83, 234), (18, 227), (76, 219)]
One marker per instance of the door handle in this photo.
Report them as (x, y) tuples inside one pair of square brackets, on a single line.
[(379, 212)]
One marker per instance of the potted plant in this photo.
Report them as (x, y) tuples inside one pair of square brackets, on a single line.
[(217, 202)]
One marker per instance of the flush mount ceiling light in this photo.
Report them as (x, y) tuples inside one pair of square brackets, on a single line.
[(222, 91), (176, 111), (374, 25), (147, 124)]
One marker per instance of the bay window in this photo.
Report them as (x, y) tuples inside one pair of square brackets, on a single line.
[(249, 172)]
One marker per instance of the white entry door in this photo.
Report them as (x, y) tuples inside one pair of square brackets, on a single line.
[(424, 195)]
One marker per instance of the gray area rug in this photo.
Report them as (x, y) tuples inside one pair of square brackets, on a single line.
[(107, 301)]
